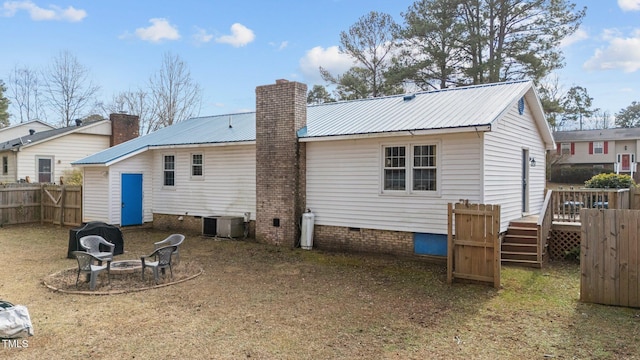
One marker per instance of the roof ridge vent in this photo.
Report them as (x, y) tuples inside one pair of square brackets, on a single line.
[(409, 97)]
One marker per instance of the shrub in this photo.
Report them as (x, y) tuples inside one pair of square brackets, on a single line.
[(573, 254), (574, 174), (72, 177), (610, 181)]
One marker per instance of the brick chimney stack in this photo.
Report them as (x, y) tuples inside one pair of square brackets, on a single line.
[(281, 110), (124, 127)]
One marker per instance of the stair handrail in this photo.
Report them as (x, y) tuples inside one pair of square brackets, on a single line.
[(545, 221)]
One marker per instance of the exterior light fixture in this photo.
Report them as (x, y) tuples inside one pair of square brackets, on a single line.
[(532, 162)]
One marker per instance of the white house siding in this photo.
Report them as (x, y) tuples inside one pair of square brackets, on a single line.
[(10, 176), (228, 186), (64, 150), (503, 148), (139, 164), (16, 131), (344, 183), (96, 199)]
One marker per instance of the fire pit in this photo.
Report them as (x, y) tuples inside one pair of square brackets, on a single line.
[(125, 266)]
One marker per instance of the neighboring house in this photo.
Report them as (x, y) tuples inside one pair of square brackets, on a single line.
[(377, 173), (23, 129), (44, 156), (613, 150)]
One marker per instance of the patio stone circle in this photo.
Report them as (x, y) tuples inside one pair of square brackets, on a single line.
[(126, 277)]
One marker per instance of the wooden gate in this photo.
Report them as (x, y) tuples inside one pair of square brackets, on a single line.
[(610, 257), (62, 205), (474, 247)]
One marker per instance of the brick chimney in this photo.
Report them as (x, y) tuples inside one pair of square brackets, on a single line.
[(281, 110), (124, 127)]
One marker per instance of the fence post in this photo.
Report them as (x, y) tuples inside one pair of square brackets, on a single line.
[(41, 204), (62, 203)]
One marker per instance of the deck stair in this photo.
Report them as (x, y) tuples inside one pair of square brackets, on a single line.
[(520, 245)]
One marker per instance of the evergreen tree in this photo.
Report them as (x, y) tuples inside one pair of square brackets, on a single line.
[(370, 42), (319, 95), (629, 116), (4, 106), (485, 41)]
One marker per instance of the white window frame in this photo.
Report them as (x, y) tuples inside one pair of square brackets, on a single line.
[(409, 167), (565, 148), (165, 170), (193, 166), (51, 171), (598, 147)]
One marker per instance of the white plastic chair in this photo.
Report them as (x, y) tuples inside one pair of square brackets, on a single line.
[(85, 265), (163, 258), (172, 240)]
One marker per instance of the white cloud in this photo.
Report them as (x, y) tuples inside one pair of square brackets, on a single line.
[(160, 30), (330, 59), (240, 36), (577, 36), (622, 53), (201, 36), (629, 5), (280, 46), (71, 14)]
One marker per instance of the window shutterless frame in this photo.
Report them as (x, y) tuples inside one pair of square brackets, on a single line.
[(410, 169), (197, 166), (169, 170)]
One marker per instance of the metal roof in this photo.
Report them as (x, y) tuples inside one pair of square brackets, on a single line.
[(598, 135), (448, 108), (442, 109), (202, 130)]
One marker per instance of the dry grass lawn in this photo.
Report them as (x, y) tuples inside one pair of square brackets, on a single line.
[(261, 302)]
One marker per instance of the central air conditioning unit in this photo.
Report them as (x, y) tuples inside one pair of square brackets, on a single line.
[(210, 225), (230, 226), (223, 226)]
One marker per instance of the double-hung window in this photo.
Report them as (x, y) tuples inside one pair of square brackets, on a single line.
[(197, 166), (424, 168), (395, 172), (169, 166), (5, 165), (565, 149), (598, 147), (410, 168)]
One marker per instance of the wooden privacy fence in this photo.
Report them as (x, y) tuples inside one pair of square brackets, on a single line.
[(610, 257), (30, 203), (474, 247)]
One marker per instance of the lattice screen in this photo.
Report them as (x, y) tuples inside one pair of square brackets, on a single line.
[(562, 242)]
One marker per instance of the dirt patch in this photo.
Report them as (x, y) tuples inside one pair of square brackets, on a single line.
[(120, 281)]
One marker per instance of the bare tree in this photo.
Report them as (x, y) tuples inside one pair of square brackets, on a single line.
[(135, 102), (174, 95), (68, 89), (24, 86)]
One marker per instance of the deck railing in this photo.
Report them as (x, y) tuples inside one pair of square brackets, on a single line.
[(566, 203), (545, 220)]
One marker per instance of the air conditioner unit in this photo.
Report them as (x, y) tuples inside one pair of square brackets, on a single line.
[(230, 226), (210, 225)]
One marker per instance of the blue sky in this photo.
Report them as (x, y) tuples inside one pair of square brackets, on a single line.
[(233, 46)]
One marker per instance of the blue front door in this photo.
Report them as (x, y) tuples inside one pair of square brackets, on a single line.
[(131, 201)]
